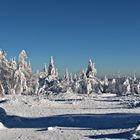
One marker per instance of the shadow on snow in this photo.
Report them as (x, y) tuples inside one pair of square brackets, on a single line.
[(3, 101), (81, 121), (122, 135)]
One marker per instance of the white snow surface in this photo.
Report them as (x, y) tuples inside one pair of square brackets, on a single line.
[(67, 116), (2, 126), (136, 134)]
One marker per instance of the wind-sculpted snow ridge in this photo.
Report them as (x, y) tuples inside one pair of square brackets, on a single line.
[(17, 77)]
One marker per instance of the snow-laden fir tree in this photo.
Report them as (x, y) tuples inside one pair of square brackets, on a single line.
[(134, 78), (126, 86), (112, 86), (7, 69), (56, 73), (45, 68), (49, 81), (86, 85), (88, 82), (66, 84), (71, 79), (51, 68), (66, 76), (91, 71), (1, 90), (75, 78), (138, 88), (24, 73), (20, 84), (83, 83), (43, 74), (105, 84)]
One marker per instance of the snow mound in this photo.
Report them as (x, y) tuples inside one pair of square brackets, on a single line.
[(2, 127), (68, 96), (52, 128)]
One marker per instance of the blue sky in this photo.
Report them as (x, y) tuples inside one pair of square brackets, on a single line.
[(73, 31)]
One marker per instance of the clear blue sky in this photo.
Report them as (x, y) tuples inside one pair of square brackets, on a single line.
[(73, 31)]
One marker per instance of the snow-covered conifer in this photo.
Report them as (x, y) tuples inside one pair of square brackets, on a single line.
[(51, 68), (91, 71)]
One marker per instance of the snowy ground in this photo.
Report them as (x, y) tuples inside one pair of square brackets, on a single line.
[(66, 117)]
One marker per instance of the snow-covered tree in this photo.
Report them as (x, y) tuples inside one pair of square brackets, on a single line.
[(71, 78), (91, 71), (24, 74), (83, 83), (17, 77), (126, 86), (66, 76), (105, 84), (7, 69), (1, 90), (134, 78), (112, 86), (75, 78), (45, 68), (51, 68)]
